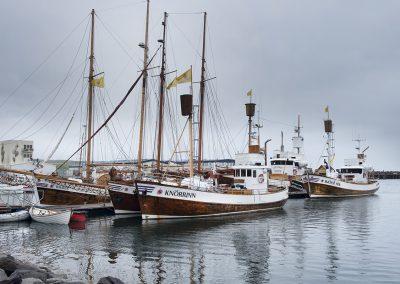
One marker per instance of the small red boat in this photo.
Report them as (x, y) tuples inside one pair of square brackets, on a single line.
[(78, 217)]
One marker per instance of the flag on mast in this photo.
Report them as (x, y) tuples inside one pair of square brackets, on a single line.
[(250, 93), (326, 109), (98, 82), (185, 77)]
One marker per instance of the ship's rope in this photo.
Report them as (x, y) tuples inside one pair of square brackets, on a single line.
[(43, 62), (113, 112)]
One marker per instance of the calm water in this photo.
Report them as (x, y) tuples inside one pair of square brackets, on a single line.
[(353, 240)]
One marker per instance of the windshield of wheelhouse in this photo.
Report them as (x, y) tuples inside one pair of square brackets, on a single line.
[(351, 171)]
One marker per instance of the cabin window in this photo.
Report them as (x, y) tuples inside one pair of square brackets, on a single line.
[(242, 173), (254, 173), (351, 171), (249, 173), (296, 164), (237, 173)]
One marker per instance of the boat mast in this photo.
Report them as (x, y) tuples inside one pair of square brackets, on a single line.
[(202, 91), (329, 143), (90, 103), (282, 146), (298, 131), (250, 111), (144, 86), (162, 90)]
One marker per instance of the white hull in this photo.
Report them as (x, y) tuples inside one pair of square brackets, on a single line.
[(126, 212), (18, 196), (14, 216), (50, 216)]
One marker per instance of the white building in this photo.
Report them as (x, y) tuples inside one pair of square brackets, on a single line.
[(15, 152)]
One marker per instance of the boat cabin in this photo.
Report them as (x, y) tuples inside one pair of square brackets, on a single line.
[(356, 174), (354, 170), (287, 163), (250, 171)]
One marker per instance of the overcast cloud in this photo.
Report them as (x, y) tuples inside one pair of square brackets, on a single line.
[(297, 56)]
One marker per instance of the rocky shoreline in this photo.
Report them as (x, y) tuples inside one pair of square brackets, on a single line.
[(13, 271)]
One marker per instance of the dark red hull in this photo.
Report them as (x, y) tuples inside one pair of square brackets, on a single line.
[(125, 203)]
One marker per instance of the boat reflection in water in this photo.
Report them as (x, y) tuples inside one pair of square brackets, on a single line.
[(315, 239)]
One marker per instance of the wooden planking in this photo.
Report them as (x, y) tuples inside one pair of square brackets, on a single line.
[(51, 196), (124, 201), (152, 205), (328, 190)]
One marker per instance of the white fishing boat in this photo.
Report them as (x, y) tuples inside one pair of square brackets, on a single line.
[(17, 189), (287, 167), (21, 215), (348, 181), (50, 216)]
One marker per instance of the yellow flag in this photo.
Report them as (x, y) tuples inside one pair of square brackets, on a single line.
[(98, 82), (183, 78), (250, 93), (326, 109)]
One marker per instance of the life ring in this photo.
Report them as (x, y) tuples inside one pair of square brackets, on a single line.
[(260, 178), (294, 172)]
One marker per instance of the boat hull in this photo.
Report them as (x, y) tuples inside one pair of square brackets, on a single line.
[(43, 216), (163, 202), (53, 194), (22, 215), (124, 198), (320, 187)]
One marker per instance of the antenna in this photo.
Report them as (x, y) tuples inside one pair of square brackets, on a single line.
[(358, 145)]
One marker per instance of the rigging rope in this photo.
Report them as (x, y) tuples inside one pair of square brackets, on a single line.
[(114, 111), (42, 63)]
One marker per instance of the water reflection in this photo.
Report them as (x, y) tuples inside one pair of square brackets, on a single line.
[(308, 240)]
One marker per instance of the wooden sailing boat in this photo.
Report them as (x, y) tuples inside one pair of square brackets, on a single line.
[(197, 197), (58, 191), (350, 180)]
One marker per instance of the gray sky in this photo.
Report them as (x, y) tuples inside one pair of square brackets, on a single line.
[(298, 56)]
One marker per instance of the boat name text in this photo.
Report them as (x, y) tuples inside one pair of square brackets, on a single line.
[(179, 193)]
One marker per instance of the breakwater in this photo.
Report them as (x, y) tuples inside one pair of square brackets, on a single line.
[(385, 174)]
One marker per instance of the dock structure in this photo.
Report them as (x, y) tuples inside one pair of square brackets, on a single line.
[(385, 174)]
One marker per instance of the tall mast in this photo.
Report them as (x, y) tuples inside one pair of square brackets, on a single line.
[(202, 91), (144, 85), (282, 146), (328, 125), (90, 103), (162, 90), (298, 131)]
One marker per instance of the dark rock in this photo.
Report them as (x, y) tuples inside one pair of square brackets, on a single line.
[(9, 264), (32, 281), (25, 273), (109, 280), (15, 279), (63, 281)]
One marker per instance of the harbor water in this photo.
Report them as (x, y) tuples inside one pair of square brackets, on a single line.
[(353, 240)]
